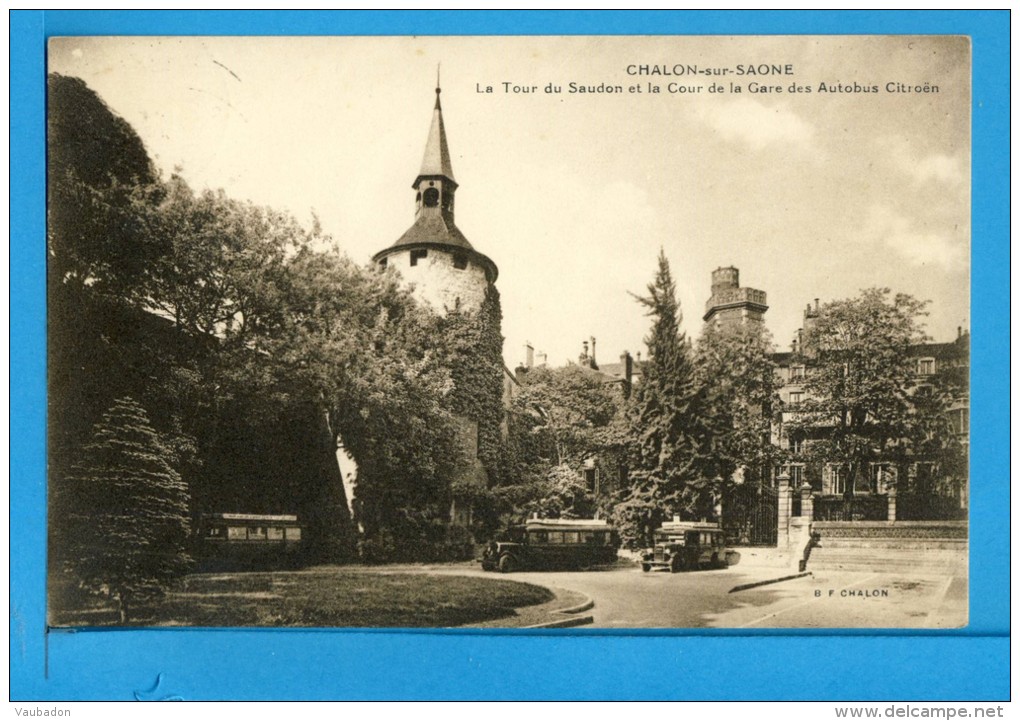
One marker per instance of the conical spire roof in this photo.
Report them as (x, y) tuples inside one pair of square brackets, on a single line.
[(437, 153), (434, 226)]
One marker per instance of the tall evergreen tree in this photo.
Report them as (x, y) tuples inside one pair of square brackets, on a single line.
[(673, 465), (124, 512)]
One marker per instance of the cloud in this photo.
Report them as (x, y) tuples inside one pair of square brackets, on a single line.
[(918, 246), (941, 168), (950, 170), (758, 125)]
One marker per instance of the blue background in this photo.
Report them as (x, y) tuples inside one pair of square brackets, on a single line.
[(968, 664)]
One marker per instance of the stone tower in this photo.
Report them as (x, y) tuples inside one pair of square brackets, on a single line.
[(732, 305), (446, 271)]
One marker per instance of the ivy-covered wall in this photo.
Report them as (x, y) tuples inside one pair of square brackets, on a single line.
[(472, 346)]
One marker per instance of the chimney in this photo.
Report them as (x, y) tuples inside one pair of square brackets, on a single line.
[(627, 364), (959, 332), (529, 355), (593, 350), (543, 358), (816, 305)]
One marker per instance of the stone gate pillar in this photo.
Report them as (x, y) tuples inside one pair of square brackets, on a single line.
[(891, 499), (807, 506), (784, 502)]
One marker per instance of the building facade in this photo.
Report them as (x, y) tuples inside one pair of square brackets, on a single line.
[(929, 484)]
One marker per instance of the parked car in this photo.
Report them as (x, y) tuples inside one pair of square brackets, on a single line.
[(685, 546), (552, 543)]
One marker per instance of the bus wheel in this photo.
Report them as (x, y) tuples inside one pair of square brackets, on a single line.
[(677, 564), (646, 567), (718, 561), (507, 564)]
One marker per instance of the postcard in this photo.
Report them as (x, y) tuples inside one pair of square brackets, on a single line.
[(509, 332)]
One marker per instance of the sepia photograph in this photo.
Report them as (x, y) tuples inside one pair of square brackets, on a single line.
[(584, 332)]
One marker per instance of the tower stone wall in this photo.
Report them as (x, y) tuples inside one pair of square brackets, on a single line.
[(444, 280)]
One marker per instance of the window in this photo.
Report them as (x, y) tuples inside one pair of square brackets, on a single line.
[(796, 446), (274, 534), (431, 198), (924, 473), (236, 534), (418, 254), (926, 366), (555, 536), (796, 372), (961, 420), (292, 534), (796, 397), (571, 537), (881, 477), (383, 263), (539, 537), (256, 533), (838, 480), (460, 261), (796, 476)]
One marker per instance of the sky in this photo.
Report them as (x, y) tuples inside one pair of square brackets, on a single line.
[(572, 195)]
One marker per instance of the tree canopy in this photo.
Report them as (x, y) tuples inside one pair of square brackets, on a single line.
[(859, 402), (565, 421), (736, 366), (255, 342)]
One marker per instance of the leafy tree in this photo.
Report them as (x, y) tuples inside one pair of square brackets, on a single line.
[(739, 375), (358, 346), (254, 342), (569, 407), (124, 512), (674, 466), (564, 420), (859, 402)]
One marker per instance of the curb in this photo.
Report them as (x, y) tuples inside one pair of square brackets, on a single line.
[(585, 605), (565, 622), (745, 586)]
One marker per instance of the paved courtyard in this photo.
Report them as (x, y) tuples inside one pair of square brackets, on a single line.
[(627, 598)]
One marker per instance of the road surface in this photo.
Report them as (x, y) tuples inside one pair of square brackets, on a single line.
[(627, 598)]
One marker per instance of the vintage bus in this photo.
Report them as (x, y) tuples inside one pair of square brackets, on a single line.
[(684, 546), (552, 543), (246, 540)]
